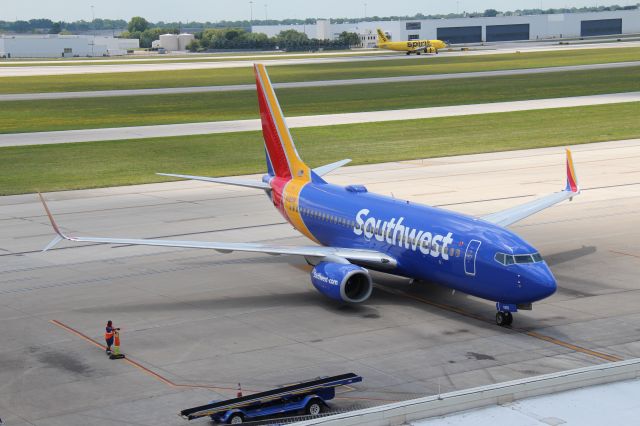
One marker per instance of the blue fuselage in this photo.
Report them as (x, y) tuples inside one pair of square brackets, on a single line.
[(429, 243)]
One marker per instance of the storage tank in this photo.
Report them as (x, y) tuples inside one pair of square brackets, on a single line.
[(184, 40), (169, 41)]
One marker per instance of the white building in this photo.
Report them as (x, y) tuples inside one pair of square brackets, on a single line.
[(478, 30), (56, 46)]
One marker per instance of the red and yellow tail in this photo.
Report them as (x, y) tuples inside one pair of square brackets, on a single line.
[(572, 179), (282, 158)]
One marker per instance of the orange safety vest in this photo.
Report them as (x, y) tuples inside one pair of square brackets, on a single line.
[(108, 334)]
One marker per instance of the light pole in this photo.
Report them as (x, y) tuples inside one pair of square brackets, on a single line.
[(365, 11), (251, 13), (93, 23), (266, 15)]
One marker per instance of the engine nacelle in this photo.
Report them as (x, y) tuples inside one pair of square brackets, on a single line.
[(344, 282)]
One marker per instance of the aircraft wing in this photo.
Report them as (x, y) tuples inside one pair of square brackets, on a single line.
[(360, 256), (515, 214)]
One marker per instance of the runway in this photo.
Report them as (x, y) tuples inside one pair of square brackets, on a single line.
[(209, 321), (303, 84), (187, 56), (17, 71), (140, 132)]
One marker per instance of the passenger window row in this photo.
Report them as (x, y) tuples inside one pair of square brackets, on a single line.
[(326, 217)]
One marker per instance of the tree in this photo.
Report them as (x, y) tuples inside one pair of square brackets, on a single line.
[(349, 39), (292, 40), (21, 26), (233, 34), (491, 12), (56, 28), (137, 24), (193, 46)]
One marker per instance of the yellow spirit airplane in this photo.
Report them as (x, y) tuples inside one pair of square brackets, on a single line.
[(410, 46)]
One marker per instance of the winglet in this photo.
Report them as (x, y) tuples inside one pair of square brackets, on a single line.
[(60, 235), (572, 179)]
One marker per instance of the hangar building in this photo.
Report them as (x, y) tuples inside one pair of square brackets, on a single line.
[(480, 29), (56, 46)]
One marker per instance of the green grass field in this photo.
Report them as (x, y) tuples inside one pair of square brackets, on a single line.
[(32, 116), (314, 72), (87, 165), (168, 59)]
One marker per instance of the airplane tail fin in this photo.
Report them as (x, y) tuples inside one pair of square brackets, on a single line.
[(282, 158), (382, 38)]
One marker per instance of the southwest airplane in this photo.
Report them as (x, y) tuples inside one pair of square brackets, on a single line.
[(410, 46), (357, 231)]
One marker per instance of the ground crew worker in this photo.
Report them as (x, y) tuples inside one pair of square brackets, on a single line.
[(108, 335)]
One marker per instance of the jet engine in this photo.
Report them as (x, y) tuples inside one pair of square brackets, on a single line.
[(345, 282)]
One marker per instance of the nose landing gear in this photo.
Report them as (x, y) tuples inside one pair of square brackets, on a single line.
[(504, 315), (504, 318)]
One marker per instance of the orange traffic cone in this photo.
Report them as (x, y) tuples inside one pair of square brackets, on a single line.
[(115, 354), (239, 394)]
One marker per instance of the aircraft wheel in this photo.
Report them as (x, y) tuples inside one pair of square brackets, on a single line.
[(504, 318), (408, 53), (509, 318), (417, 53), (235, 419), (314, 407)]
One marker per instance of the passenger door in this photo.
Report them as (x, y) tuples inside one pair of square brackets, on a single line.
[(470, 257)]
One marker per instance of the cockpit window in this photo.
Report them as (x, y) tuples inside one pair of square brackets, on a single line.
[(509, 259), (523, 258)]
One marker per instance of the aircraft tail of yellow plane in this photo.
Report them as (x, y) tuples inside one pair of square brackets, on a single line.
[(382, 38)]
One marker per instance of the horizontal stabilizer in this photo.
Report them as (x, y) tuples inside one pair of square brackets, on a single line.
[(328, 168), (227, 181)]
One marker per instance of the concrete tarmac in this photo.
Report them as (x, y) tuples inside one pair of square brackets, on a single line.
[(201, 322), (165, 130), (303, 84), (17, 71)]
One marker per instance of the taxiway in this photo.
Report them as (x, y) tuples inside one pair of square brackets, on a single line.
[(303, 84)]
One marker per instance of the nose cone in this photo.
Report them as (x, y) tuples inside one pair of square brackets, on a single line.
[(541, 281)]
